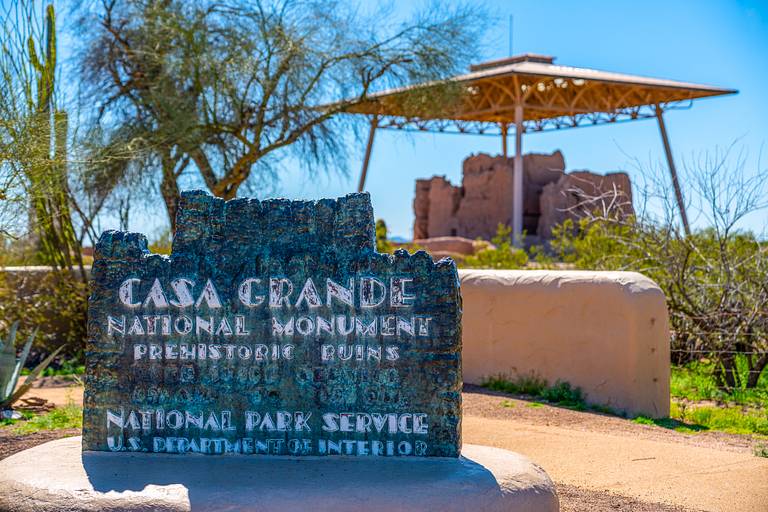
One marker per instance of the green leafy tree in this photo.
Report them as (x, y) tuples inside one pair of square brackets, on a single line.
[(218, 91)]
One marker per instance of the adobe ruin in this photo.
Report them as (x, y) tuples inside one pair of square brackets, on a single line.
[(484, 199)]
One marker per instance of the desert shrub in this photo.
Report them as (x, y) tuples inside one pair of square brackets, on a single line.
[(714, 282), (501, 256), (714, 276), (54, 303), (563, 393)]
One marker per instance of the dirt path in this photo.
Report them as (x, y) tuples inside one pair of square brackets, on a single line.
[(57, 390), (607, 463)]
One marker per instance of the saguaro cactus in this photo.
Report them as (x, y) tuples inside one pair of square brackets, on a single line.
[(46, 172)]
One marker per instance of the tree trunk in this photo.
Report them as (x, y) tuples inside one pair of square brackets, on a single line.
[(169, 189), (756, 371), (726, 373)]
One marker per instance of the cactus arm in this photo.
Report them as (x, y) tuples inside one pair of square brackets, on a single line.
[(30, 379), (33, 58), (50, 16)]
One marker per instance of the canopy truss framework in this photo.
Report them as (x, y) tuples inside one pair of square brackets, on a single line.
[(531, 94), (456, 126)]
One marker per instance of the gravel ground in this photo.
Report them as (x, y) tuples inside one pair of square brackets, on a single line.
[(479, 401), (11, 443), (576, 499)]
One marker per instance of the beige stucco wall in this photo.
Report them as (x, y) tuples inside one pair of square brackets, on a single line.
[(606, 332)]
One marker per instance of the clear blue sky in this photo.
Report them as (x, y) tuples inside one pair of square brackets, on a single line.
[(722, 43)]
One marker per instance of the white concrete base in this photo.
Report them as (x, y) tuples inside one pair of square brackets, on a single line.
[(56, 476)]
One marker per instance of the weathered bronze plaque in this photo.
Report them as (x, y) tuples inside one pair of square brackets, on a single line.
[(274, 327)]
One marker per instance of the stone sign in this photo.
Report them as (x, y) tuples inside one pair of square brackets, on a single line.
[(274, 327)]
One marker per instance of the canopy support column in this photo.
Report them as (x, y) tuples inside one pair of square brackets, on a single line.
[(672, 169), (367, 157), (517, 179), (504, 140)]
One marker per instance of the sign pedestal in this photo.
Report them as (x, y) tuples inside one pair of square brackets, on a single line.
[(57, 476), (273, 361)]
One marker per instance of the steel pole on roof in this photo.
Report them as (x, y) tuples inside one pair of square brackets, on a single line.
[(517, 179), (367, 157), (672, 169)]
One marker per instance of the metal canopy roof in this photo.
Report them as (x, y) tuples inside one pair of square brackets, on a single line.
[(552, 97), (530, 93)]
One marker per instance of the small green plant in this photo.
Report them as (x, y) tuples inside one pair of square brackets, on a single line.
[(643, 420), (502, 256), (531, 385), (69, 416), (534, 404), (671, 424), (604, 409), (25, 415), (734, 420), (562, 393), (761, 450), (10, 368)]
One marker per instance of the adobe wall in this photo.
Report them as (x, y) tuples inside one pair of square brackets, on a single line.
[(605, 332), (484, 199)]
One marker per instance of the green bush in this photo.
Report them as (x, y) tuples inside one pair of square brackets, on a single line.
[(55, 303), (714, 281), (562, 393), (502, 256)]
